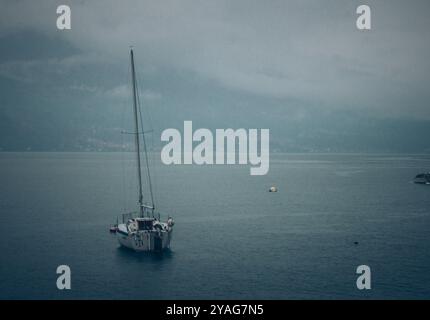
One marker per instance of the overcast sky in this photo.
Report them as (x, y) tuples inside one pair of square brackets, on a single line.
[(292, 59)]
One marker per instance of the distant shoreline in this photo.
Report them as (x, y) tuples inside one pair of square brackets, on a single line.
[(272, 152)]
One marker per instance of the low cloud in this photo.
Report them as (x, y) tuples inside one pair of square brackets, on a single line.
[(309, 52)]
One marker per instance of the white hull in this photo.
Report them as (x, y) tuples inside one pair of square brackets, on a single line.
[(145, 240)]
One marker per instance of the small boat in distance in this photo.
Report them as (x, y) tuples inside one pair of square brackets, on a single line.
[(422, 178), (273, 189), (142, 230)]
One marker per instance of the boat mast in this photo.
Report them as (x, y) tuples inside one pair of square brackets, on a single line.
[(136, 126), (138, 115)]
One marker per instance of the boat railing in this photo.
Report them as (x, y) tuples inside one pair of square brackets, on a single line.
[(123, 218)]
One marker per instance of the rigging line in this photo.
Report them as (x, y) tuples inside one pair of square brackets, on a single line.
[(137, 140), (148, 174), (154, 166), (122, 149), (146, 153), (123, 168), (152, 156), (131, 160), (142, 132), (148, 114)]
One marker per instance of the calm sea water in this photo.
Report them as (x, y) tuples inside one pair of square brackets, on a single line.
[(232, 238)]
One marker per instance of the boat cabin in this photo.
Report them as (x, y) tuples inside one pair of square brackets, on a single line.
[(141, 224), (145, 223)]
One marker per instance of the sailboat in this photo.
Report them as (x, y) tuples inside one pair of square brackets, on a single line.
[(142, 230)]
